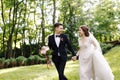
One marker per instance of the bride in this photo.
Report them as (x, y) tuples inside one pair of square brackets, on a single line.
[(93, 65)]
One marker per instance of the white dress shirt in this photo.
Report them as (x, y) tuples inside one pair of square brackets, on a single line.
[(57, 41)]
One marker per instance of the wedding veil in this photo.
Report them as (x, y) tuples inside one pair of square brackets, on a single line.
[(96, 42)]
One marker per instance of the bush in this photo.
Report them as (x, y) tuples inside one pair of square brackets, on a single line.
[(105, 47), (30, 60), (43, 60), (12, 62), (7, 63), (37, 59), (2, 60), (21, 61)]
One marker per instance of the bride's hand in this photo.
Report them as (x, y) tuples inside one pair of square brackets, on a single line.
[(74, 58)]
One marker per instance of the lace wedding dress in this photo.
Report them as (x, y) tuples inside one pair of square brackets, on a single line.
[(93, 65)]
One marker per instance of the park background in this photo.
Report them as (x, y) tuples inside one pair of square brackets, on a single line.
[(26, 24)]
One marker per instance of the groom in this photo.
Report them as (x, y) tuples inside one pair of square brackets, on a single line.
[(57, 42)]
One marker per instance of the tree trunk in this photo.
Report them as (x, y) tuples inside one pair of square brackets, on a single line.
[(105, 38), (43, 24), (23, 30), (54, 11), (16, 33), (110, 38), (4, 29), (9, 44)]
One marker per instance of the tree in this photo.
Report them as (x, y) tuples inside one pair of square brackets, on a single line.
[(104, 17)]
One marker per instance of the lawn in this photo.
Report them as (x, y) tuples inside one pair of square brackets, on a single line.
[(40, 72)]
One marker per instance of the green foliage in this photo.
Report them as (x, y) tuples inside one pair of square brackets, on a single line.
[(30, 60), (12, 62), (49, 52), (2, 61), (70, 19), (9, 3), (21, 61), (43, 60), (33, 49), (37, 59), (6, 63), (105, 47), (105, 24)]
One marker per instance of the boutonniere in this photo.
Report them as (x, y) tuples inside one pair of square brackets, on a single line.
[(61, 39)]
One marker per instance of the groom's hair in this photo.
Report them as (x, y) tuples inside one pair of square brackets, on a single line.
[(85, 30), (57, 25)]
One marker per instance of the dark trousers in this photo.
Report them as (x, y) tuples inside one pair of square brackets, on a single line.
[(60, 66)]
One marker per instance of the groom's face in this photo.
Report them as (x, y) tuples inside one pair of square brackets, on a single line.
[(59, 29)]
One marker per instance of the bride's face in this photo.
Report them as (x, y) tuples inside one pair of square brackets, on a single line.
[(81, 32)]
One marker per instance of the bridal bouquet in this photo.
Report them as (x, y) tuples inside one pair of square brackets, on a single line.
[(46, 52)]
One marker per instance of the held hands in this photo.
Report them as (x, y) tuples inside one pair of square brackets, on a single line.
[(74, 58)]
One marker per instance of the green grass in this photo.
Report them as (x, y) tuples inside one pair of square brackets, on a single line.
[(40, 72), (113, 57)]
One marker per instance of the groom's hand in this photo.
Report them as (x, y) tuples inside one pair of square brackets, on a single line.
[(74, 58)]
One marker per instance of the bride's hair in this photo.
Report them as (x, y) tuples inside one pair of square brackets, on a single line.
[(85, 30)]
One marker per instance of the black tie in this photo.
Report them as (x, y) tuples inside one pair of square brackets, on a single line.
[(57, 35)]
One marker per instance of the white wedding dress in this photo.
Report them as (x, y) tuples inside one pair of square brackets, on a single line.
[(93, 65)]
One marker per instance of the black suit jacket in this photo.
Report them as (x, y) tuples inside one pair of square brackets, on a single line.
[(62, 47)]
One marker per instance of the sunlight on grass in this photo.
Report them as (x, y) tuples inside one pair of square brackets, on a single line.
[(8, 70), (71, 67), (40, 72)]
